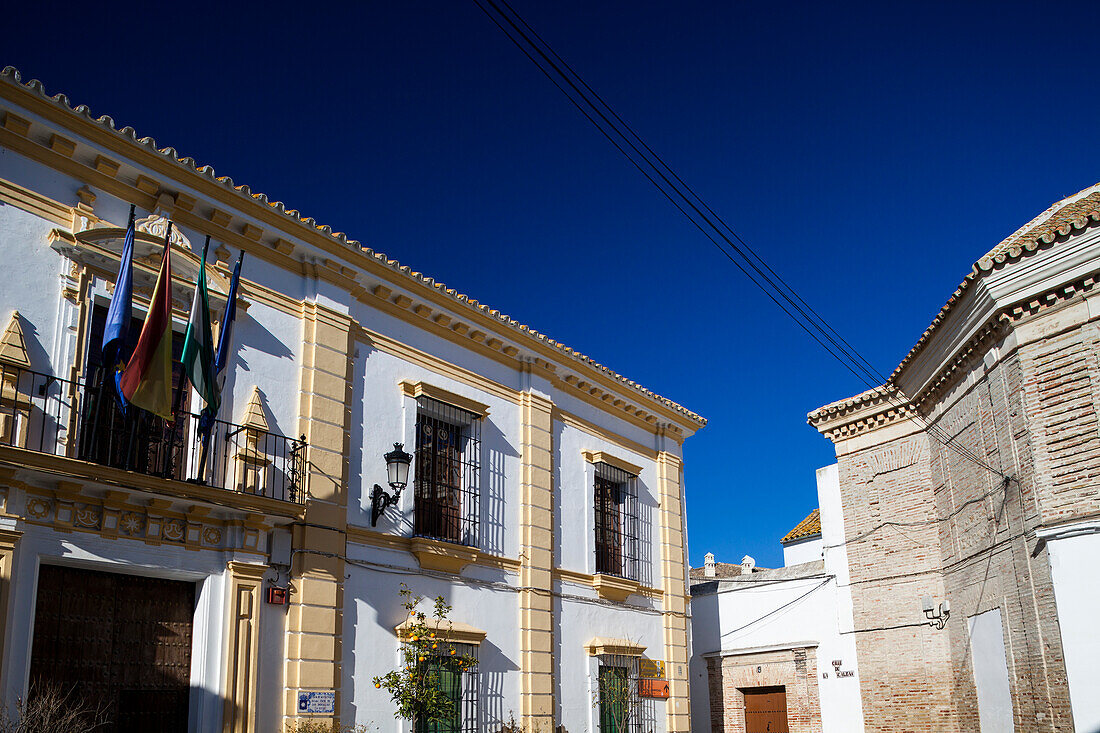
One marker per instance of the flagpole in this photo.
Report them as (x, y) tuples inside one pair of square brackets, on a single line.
[(109, 365)]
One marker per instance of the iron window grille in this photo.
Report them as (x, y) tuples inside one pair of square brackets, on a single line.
[(461, 687), (447, 473), (616, 503), (621, 707)]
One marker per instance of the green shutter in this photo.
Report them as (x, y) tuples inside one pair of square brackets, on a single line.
[(450, 683), (613, 705)]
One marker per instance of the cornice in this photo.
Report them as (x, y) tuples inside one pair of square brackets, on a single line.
[(165, 161), (887, 403)]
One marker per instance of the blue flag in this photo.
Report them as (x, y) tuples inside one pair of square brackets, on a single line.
[(117, 328), (225, 345)]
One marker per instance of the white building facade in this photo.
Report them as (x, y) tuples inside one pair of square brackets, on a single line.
[(545, 502), (775, 646)]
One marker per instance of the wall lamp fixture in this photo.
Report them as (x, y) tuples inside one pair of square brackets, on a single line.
[(397, 472), (937, 617)]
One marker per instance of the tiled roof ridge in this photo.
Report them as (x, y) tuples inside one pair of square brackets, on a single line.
[(808, 527), (12, 75), (1040, 232)]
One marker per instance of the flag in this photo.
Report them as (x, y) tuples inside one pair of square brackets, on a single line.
[(147, 379), (117, 328), (225, 344), (198, 342)]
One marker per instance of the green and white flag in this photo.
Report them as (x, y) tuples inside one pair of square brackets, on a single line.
[(198, 342)]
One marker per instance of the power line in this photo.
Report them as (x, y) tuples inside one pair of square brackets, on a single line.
[(702, 216)]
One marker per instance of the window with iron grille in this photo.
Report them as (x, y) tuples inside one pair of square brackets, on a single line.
[(621, 708), (616, 502), (447, 472), (460, 687)]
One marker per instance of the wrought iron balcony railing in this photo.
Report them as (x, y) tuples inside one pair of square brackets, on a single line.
[(47, 414)]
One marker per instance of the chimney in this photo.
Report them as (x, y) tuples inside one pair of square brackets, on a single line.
[(747, 564), (708, 565)]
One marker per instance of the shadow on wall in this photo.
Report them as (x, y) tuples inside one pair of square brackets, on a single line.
[(494, 484), (358, 493), (645, 540), (493, 665)]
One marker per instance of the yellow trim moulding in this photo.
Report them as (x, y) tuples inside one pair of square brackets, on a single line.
[(601, 457), (452, 631), (418, 389), (601, 645)]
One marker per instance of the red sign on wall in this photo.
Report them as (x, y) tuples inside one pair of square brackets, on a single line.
[(653, 688)]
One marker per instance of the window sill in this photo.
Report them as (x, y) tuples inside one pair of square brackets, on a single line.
[(613, 588), (442, 556)]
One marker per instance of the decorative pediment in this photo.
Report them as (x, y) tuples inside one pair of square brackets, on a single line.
[(13, 346), (100, 249), (254, 415)]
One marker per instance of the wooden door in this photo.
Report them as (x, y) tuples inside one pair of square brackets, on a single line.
[(122, 642), (766, 710)]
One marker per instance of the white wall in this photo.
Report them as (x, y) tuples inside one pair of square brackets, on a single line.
[(785, 613), (1074, 553), (987, 652), (810, 549)]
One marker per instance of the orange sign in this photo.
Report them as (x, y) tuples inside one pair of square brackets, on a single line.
[(653, 688)]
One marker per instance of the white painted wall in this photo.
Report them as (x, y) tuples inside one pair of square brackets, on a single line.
[(800, 551), (269, 344), (987, 653), (814, 611), (1074, 552)]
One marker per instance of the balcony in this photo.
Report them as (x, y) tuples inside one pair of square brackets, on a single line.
[(49, 416)]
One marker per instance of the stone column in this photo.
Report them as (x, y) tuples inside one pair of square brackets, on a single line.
[(537, 555), (315, 616), (673, 591)]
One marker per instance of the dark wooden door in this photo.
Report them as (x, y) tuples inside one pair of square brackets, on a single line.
[(122, 642), (766, 710)]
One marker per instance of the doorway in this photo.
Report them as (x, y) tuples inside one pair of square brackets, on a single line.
[(766, 710), (122, 642)]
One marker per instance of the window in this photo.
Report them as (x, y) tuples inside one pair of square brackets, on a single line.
[(621, 708), (460, 687), (447, 472), (616, 503)]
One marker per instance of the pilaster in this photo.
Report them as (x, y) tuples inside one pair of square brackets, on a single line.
[(673, 591), (8, 540), (315, 615), (536, 553), (243, 646)]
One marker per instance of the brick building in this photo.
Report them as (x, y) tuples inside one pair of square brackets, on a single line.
[(1002, 541)]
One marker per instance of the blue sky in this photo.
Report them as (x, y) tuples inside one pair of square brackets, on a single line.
[(869, 154)]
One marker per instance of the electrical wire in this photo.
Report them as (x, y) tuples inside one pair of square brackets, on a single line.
[(786, 605), (704, 218)]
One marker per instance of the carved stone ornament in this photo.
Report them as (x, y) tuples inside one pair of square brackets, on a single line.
[(157, 225)]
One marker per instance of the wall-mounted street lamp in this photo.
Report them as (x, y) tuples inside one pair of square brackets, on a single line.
[(937, 617), (397, 472)]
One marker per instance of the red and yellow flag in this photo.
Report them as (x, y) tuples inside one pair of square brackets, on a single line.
[(147, 379)]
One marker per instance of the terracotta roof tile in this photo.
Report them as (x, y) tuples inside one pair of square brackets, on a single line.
[(11, 75), (1060, 219), (808, 527)]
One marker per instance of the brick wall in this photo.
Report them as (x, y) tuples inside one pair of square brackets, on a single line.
[(793, 669), (967, 535)]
